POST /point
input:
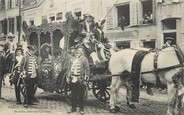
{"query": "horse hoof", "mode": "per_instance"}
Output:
(132, 106)
(117, 108)
(113, 110)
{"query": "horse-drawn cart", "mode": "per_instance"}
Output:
(52, 70)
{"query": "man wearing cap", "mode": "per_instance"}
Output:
(79, 74)
(169, 41)
(2, 64)
(31, 67)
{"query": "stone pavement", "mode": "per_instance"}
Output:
(55, 104)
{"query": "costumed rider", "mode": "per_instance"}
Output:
(169, 42)
(101, 42)
(78, 77)
(98, 32)
(31, 67)
(19, 67)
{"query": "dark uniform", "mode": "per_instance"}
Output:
(2, 64)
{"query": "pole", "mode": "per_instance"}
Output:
(20, 20)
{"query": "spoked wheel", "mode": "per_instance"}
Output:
(101, 90)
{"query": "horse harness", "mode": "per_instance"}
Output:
(156, 70)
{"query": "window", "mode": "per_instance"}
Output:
(31, 22)
(78, 14)
(52, 18)
(9, 4)
(123, 15)
(59, 16)
(122, 44)
(44, 17)
(2, 4)
(147, 11)
(149, 44)
(18, 18)
(169, 24)
(11, 25)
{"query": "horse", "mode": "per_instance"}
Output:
(168, 67)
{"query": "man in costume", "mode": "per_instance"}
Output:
(31, 67)
(19, 64)
(79, 74)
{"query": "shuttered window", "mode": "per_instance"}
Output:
(11, 25)
(110, 23)
(148, 11)
(123, 15)
(2, 5)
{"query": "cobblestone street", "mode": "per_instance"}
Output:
(52, 103)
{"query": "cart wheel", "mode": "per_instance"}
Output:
(101, 90)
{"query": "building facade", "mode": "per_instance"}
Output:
(147, 22)
(9, 19)
(129, 23)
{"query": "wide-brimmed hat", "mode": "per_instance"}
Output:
(31, 47)
(169, 38)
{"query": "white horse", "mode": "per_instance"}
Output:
(121, 64)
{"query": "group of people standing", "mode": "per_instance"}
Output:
(26, 64)
(22, 64)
